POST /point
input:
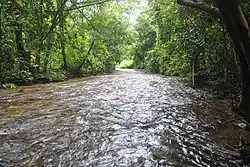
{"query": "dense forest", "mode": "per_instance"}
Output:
(204, 42)
(49, 40)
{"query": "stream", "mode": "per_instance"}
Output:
(125, 119)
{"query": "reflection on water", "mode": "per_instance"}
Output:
(125, 119)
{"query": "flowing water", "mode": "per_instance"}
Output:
(125, 119)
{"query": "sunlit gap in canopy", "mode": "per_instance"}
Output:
(136, 8)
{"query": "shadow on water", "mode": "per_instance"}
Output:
(126, 119)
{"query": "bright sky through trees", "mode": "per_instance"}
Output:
(134, 14)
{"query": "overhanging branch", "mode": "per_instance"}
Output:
(89, 22)
(201, 6)
(82, 5)
(61, 9)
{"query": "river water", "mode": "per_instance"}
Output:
(125, 119)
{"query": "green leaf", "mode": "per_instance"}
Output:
(19, 2)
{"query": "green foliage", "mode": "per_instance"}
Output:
(54, 38)
(52, 76)
(146, 38)
(18, 77)
(174, 40)
(128, 64)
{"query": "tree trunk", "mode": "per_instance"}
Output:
(238, 29)
(244, 106)
(1, 43)
(40, 27)
(48, 46)
(24, 57)
(1, 31)
(195, 70)
(47, 53)
(78, 70)
(196, 65)
(86, 56)
(63, 41)
(237, 26)
(65, 65)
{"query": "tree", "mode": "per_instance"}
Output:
(146, 38)
(47, 40)
(237, 25)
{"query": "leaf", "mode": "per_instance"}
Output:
(19, 2)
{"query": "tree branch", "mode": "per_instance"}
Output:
(86, 56)
(89, 22)
(55, 19)
(60, 10)
(81, 6)
(201, 6)
(87, 5)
